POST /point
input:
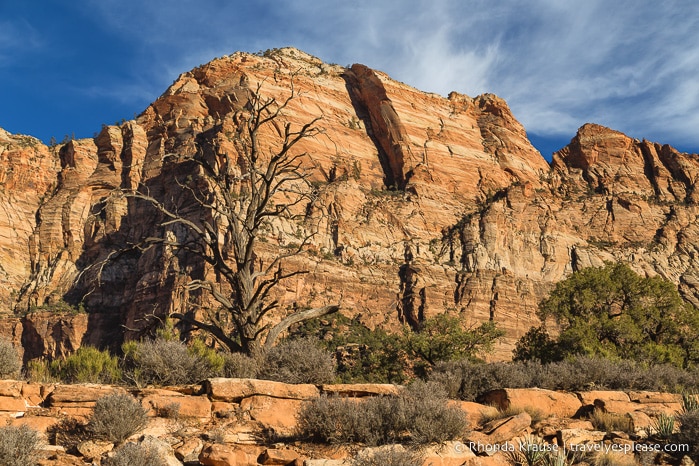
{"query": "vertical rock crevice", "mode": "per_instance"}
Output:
(371, 102)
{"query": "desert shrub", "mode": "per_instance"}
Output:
(393, 456)
(19, 445)
(444, 338)
(169, 410)
(131, 454)
(68, 432)
(376, 356)
(87, 365)
(584, 372)
(239, 365)
(298, 361)
(10, 362)
(362, 354)
(117, 417)
(689, 431)
(334, 420)
(610, 422)
(430, 418)
(163, 362)
(419, 416)
(39, 371)
(664, 426)
(468, 380)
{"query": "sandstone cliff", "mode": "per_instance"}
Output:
(425, 204)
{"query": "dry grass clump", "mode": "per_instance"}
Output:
(610, 422)
(488, 416)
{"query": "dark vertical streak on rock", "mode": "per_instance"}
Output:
(372, 104)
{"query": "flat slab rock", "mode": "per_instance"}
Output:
(222, 389)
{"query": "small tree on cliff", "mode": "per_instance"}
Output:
(235, 198)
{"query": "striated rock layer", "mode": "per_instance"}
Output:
(424, 204)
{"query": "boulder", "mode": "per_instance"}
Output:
(214, 454)
(189, 450)
(567, 437)
(588, 398)
(11, 404)
(277, 414)
(94, 449)
(474, 411)
(222, 389)
(12, 388)
(506, 429)
(448, 454)
(547, 402)
(276, 456)
(654, 397)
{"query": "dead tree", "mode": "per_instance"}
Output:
(238, 195)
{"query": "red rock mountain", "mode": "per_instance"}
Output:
(425, 204)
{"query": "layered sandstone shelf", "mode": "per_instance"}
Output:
(425, 204)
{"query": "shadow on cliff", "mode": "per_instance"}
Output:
(129, 284)
(353, 86)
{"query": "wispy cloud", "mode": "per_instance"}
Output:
(628, 64)
(17, 38)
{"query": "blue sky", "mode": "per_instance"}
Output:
(68, 66)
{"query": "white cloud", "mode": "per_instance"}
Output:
(628, 64)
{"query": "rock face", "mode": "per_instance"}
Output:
(424, 204)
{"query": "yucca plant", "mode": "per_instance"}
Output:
(664, 426)
(690, 402)
(556, 458)
(531, 451)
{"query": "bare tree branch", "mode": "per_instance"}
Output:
(226, 204)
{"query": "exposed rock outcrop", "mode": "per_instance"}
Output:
(423, 204)
(190, 423)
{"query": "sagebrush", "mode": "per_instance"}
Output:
(467, 380)
(19, 445)
(132, 454)
(10, 362)
(170, 362)
(391, 456)
(418, 416)
(298, 361)
(117, 417)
